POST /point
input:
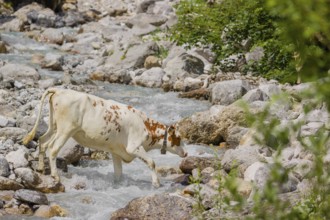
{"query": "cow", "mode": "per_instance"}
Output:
(104, 125)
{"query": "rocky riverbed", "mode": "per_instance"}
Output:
(120, 50)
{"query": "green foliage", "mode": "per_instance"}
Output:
(294, 34)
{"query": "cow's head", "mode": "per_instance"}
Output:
(174, 142)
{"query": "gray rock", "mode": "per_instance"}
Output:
(52, 61)
(29, 177)
(156, 207)
(53, 35)
(27, 123)
(227, 92)
(15, 25)
(7, 122)
(18, 158)
(150, 78)
(71, 151)
(46, 83)
(142, 19)
(255, 55)
(190, 84)
(8, 184)
(19, 72)
(13, 133)
(269, 90)
(181, 67)
(4, 167)
(131, 57)
(31, 196)
(240, 158)
(253, 95)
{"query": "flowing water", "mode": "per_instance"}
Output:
(101, 195)
(90, 190)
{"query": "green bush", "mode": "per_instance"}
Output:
(293, 37)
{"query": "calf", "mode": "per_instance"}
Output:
(104, 125)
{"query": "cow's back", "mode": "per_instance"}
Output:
(97, 123)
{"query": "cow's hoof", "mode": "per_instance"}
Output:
(156, 184)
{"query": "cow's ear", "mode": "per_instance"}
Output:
(171, 129)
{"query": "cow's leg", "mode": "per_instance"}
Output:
(45, 139)
(117, 165)
(142, 154)
(57, 143)
(43, 145)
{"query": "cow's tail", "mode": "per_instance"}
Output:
(32, 133)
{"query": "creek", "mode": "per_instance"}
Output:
(90, 190)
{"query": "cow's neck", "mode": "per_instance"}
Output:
(157, 133)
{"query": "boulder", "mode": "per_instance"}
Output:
(192, 162)
(190, 84)
(48, 185)
(8, 184)
(220, 123)
(19, 72)
(71, 151)
(31, 196)
(133, 56)
(268, 90)
(52, 35)
(181, 67)
(227, 92)
(150, 78)
(159, 206)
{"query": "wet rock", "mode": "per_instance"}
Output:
(46, 211)
(227, 92)
(49, 185)
(191, 162)
(160, 206)
(18, 158)
(71, 152)
(19, 72)
(4, 167)
(8, 184)
(150, 78)
(31, 196)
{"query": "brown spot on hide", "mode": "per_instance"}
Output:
(102, 103)
(129, 107)
(152, 126)
(115, 107)
(94, 103)
(175, 140)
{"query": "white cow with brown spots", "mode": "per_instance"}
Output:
(104, 125)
